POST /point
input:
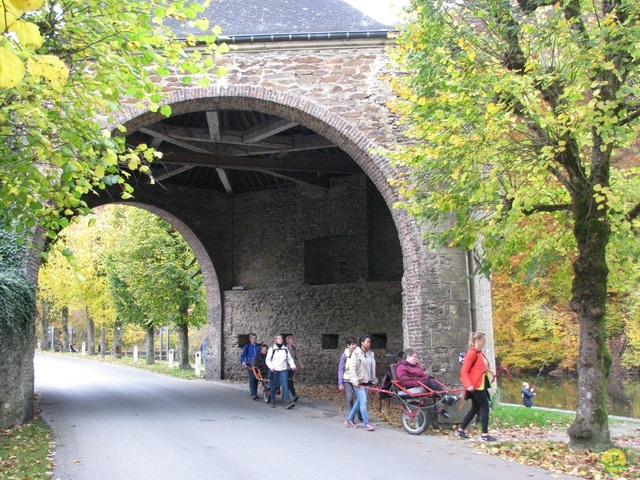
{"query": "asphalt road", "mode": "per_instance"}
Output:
(111, 422)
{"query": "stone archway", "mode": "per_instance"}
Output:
(349, 139)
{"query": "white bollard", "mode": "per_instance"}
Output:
(84, 348)
(198, 361)
(39, 345)
(135, 353)
(171, 358)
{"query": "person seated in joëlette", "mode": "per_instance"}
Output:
(413, 378)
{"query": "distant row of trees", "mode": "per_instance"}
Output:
(534, 326)
(130, 272)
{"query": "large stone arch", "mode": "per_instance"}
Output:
(362, 149)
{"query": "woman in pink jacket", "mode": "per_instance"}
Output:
(476, 377)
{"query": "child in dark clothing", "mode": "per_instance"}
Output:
(527, 395)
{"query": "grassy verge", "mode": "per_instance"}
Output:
(25, 451)
(506, 416)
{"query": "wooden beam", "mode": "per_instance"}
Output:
(310, 180)
(168, 173)
(226, 183)
(300, 163)
(184, 136)
(213, 122)
(267, 129)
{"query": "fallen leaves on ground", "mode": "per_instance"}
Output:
(542, 447)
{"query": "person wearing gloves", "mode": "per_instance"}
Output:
(280, 362)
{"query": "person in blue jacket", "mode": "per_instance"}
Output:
(249, 351)
(527, 395)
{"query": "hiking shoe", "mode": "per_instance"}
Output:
(255, 397)
(273, 404)
(443, 412)
(487, 438)
(461, 434)
(349, 424)
(291, 405)
(369, 428)
(296, 398)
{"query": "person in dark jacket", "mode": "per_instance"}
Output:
(527, 395)
(249, 351)
(260, 361)
(414, 379)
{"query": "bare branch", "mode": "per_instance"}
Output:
(530, 6)
(547, 208)
(633, 213)
(630, 118)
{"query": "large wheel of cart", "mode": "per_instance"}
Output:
(416, 425)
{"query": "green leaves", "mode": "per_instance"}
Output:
(99, 56)
(505, 115)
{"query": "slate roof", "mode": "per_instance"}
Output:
(260, 17)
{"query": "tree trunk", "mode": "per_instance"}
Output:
(150, 345)
(183, 332)
(103, 342)
(117, 340)
(91, 334)
(65, 328)
(590, 429)
(44, 324)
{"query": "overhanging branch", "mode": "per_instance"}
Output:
(547, 208)
(633, 213)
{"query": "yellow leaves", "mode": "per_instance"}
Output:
(26, 5)
(28, 33)
(11, 68)
(8, 14)
(50, 68)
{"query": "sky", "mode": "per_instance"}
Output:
(381, 10)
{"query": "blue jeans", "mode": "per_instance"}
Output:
(280, 378)
(253, 383)
(360, 404)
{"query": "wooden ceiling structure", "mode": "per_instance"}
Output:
(236, 151)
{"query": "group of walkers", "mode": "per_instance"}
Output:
(357, 371)
(277, 363)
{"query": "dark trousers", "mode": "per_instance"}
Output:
(292, 389)
(479, 403)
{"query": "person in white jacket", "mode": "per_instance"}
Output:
(362, 374)
(279, 362)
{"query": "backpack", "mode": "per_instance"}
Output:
(384, 384)
(461, 357)
(273, 352)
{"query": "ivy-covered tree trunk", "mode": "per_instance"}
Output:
(150, 340)
(44, 325)
(17, 334)
(183, 335)
(590, 428)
